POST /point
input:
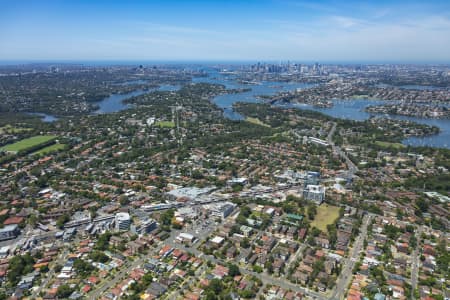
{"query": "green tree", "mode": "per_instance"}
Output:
(215, 286)
(19, 266)
(245, 243)
(82, 267)
(64, 291)
(312, 211)
(233, 270)
(62, 220)
(103, 241)
(98, 256)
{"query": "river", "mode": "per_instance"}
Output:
(349, 109)
(354, 110)
(226, 101)
(114, 103)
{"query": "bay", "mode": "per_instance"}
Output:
(347, 109)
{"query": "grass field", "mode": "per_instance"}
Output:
(50, 149)
(326, 214)
(256, 121)
(165, 124)
(389, 145)
(28, 143)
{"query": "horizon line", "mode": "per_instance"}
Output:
(4, 62)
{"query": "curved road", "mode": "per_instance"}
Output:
(352, 168)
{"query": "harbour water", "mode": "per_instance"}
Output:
(114, 103)
(355, 110)
(267, 88)
(226, 101)
(349, 109)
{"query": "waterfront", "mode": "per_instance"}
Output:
(115, 102)
(355, 110)
(349, 109)
(226, 101)
(267, 88)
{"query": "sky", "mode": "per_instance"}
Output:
(219, 30)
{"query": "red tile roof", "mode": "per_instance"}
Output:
(13, 220)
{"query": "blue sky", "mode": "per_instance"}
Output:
(402, 31)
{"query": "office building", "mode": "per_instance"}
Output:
(123, 221)
(315, 193)
(9, 232)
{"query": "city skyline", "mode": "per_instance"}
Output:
(327, 31)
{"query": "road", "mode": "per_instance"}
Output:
(284, 284)
(416, 262)
(186, 283)
(267, 279)
(264, 277)
(352, 168)
(330, 134)
(345, 277)
(59, 261)
(294, 257)
(119, 276)
(124, 270)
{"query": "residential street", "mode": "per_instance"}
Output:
(345, 277)
(337, 293)
(352, 168)
(416, 262)
(265, 278)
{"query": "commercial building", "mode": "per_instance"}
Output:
(312, 178)
(221, 210)
(189, 193)
(246, 230)
(144, 226)
(9, 232)
(315, 193)
(123, 221)
(217, 240)
(185, 237)
(239, 180)
(318, 141)
(4, 251)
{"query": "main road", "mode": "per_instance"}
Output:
(346, 275)
(416, 262)
(352, 168)
(128, 266)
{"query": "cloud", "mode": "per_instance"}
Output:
(299, 31)
(177, 29)
(346, 22)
